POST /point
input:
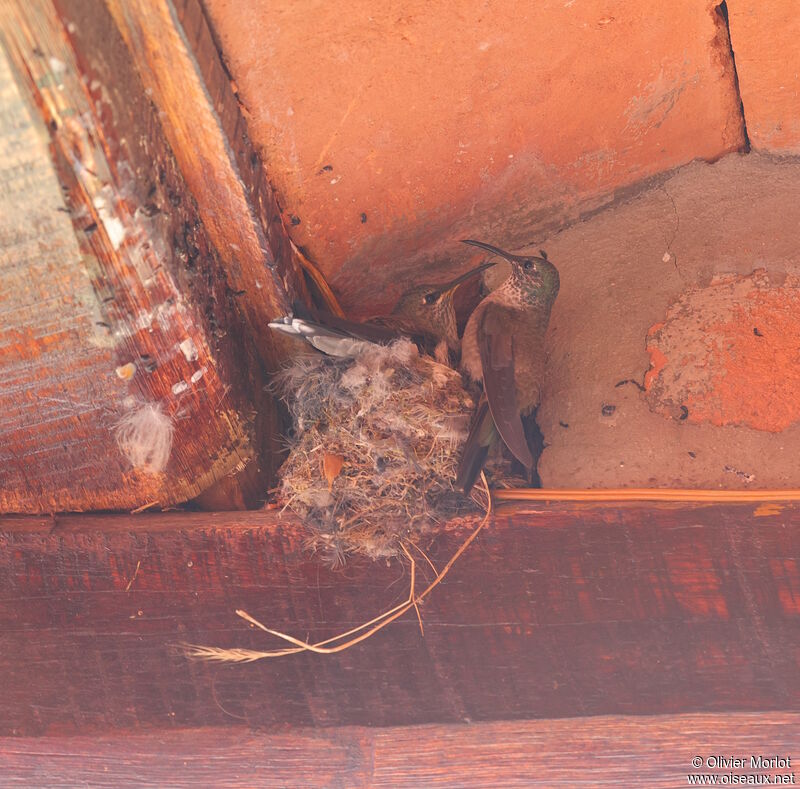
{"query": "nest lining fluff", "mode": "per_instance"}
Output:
(376, 445)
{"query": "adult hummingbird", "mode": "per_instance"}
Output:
(503, 346)
(425, 313)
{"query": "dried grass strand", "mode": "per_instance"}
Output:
(645, 494)
(374, 625)
(390, 423)
(382, 620)
(416, 606)
(426, 557)
(221, 655)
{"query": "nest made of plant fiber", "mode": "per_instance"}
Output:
(376, 444)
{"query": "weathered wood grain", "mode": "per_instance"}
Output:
(555, 611)
(604, 751)
(133, 307)
(171, 47)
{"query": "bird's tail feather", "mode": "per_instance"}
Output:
(480, 440)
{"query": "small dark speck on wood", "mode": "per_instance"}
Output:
(629, 381)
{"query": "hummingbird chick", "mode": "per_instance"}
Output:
(424, 314)
(503, 347)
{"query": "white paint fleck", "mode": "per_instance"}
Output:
(336, 180)
(483, 46)
(666, 258)
(179, 387)
(189, 349)
(165, 311)
(258, 285)
(114, 228)
(198, 374)
(57, 66)
(144, 320)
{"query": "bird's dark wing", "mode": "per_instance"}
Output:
(482, 435)
(496, 343)
(370, 331)
(383, 330)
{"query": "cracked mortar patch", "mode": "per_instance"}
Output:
(694, 282)
(729, 354)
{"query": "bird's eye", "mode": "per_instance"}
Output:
(428, 299)
(527, 265)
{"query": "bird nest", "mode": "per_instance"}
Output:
(375, 447)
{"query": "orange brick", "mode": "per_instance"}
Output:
(391, 130)
(764, 38)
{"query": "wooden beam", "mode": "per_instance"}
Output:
(126, 289)
(170, 46)
(557, 610)
(606, 751)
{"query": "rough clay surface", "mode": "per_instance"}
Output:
(729, 354)
(656, 376)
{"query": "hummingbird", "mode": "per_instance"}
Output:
(425, 314)
(503, 346)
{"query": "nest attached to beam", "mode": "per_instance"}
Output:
(376, 445)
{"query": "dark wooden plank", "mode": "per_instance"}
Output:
(604, 751)
(558, 610)
(232, 757)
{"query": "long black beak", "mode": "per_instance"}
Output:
(501, 252)
(449, 287)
